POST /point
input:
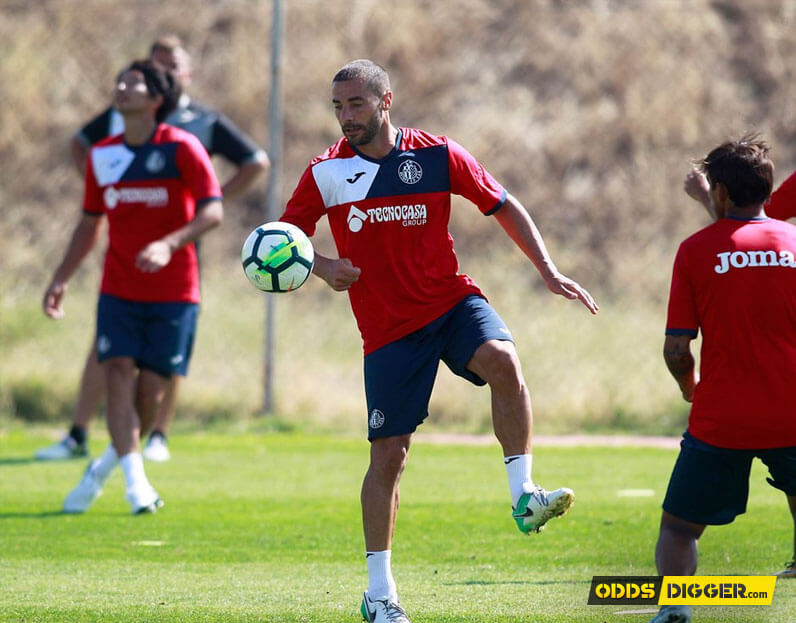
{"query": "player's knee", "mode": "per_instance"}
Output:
(389, 455)
(501, 366)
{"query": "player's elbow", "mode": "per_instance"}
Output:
(213, 213)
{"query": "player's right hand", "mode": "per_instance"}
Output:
(343, 274)
(52, 300)
(696, 185)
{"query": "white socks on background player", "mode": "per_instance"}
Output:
(132, 465)
(104, 465)
(518, 468)
(381, 584)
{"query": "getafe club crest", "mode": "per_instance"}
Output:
(155, 162)
(409, 172)
(376, 419)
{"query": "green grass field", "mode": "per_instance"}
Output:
(266, 527)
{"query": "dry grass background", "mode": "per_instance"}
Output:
(589, 111)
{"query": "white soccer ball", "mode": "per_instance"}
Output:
(277, 257)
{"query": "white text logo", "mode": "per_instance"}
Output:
(752, 259)
(152, 197)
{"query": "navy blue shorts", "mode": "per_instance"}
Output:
(399, 376)
(710, 485)
(158, 336)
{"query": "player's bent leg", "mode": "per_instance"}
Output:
(496, 362)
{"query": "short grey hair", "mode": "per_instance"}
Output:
(372, 74)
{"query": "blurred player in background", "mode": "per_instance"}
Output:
(157, 188)
(387, 194)
(735, 281)
(219, 136)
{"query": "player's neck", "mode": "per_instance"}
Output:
(746, 213)
(138, 129)
(382, 144)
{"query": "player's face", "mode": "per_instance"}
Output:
(131, 93)
(359, 111)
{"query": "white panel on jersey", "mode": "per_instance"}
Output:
(344, 180)
(110, 163)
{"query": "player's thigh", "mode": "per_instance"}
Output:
(708, 485)
(120, 328)
(169, 336)
(399, 378)
(478, 344)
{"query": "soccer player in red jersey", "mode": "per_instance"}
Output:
(219, 136)
(387, 194)
(735, 281)
(157, 188)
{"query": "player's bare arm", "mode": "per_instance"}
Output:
(84, 237)
(79, 154)
(244, 177)
(680, 362)
(696, 186)
(157, 253)
(340, 274)
(518, 224)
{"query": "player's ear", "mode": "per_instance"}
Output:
(386, 101)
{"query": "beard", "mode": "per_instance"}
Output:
(368, 131)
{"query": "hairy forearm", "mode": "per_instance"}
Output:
(520, 227)
(207, 217)
(681, 365)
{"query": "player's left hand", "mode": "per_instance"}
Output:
(566, 287)
(153, 257)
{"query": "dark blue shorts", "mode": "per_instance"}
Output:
(158, 336)
(710, 485)
(399, 377)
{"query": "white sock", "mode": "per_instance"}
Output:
(518, 468)
(103, 467)
(133, 468)
(381, 584)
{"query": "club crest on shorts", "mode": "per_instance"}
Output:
(409, 172)
(376, 419)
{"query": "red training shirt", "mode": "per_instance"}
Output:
(736, 282)
(390, 218)
(148, 191)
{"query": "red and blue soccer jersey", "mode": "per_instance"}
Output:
(736, 282)
(146, 192)
(390, 218)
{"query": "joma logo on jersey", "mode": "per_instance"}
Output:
(410, 215)
(153, 197)
(753, 259)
